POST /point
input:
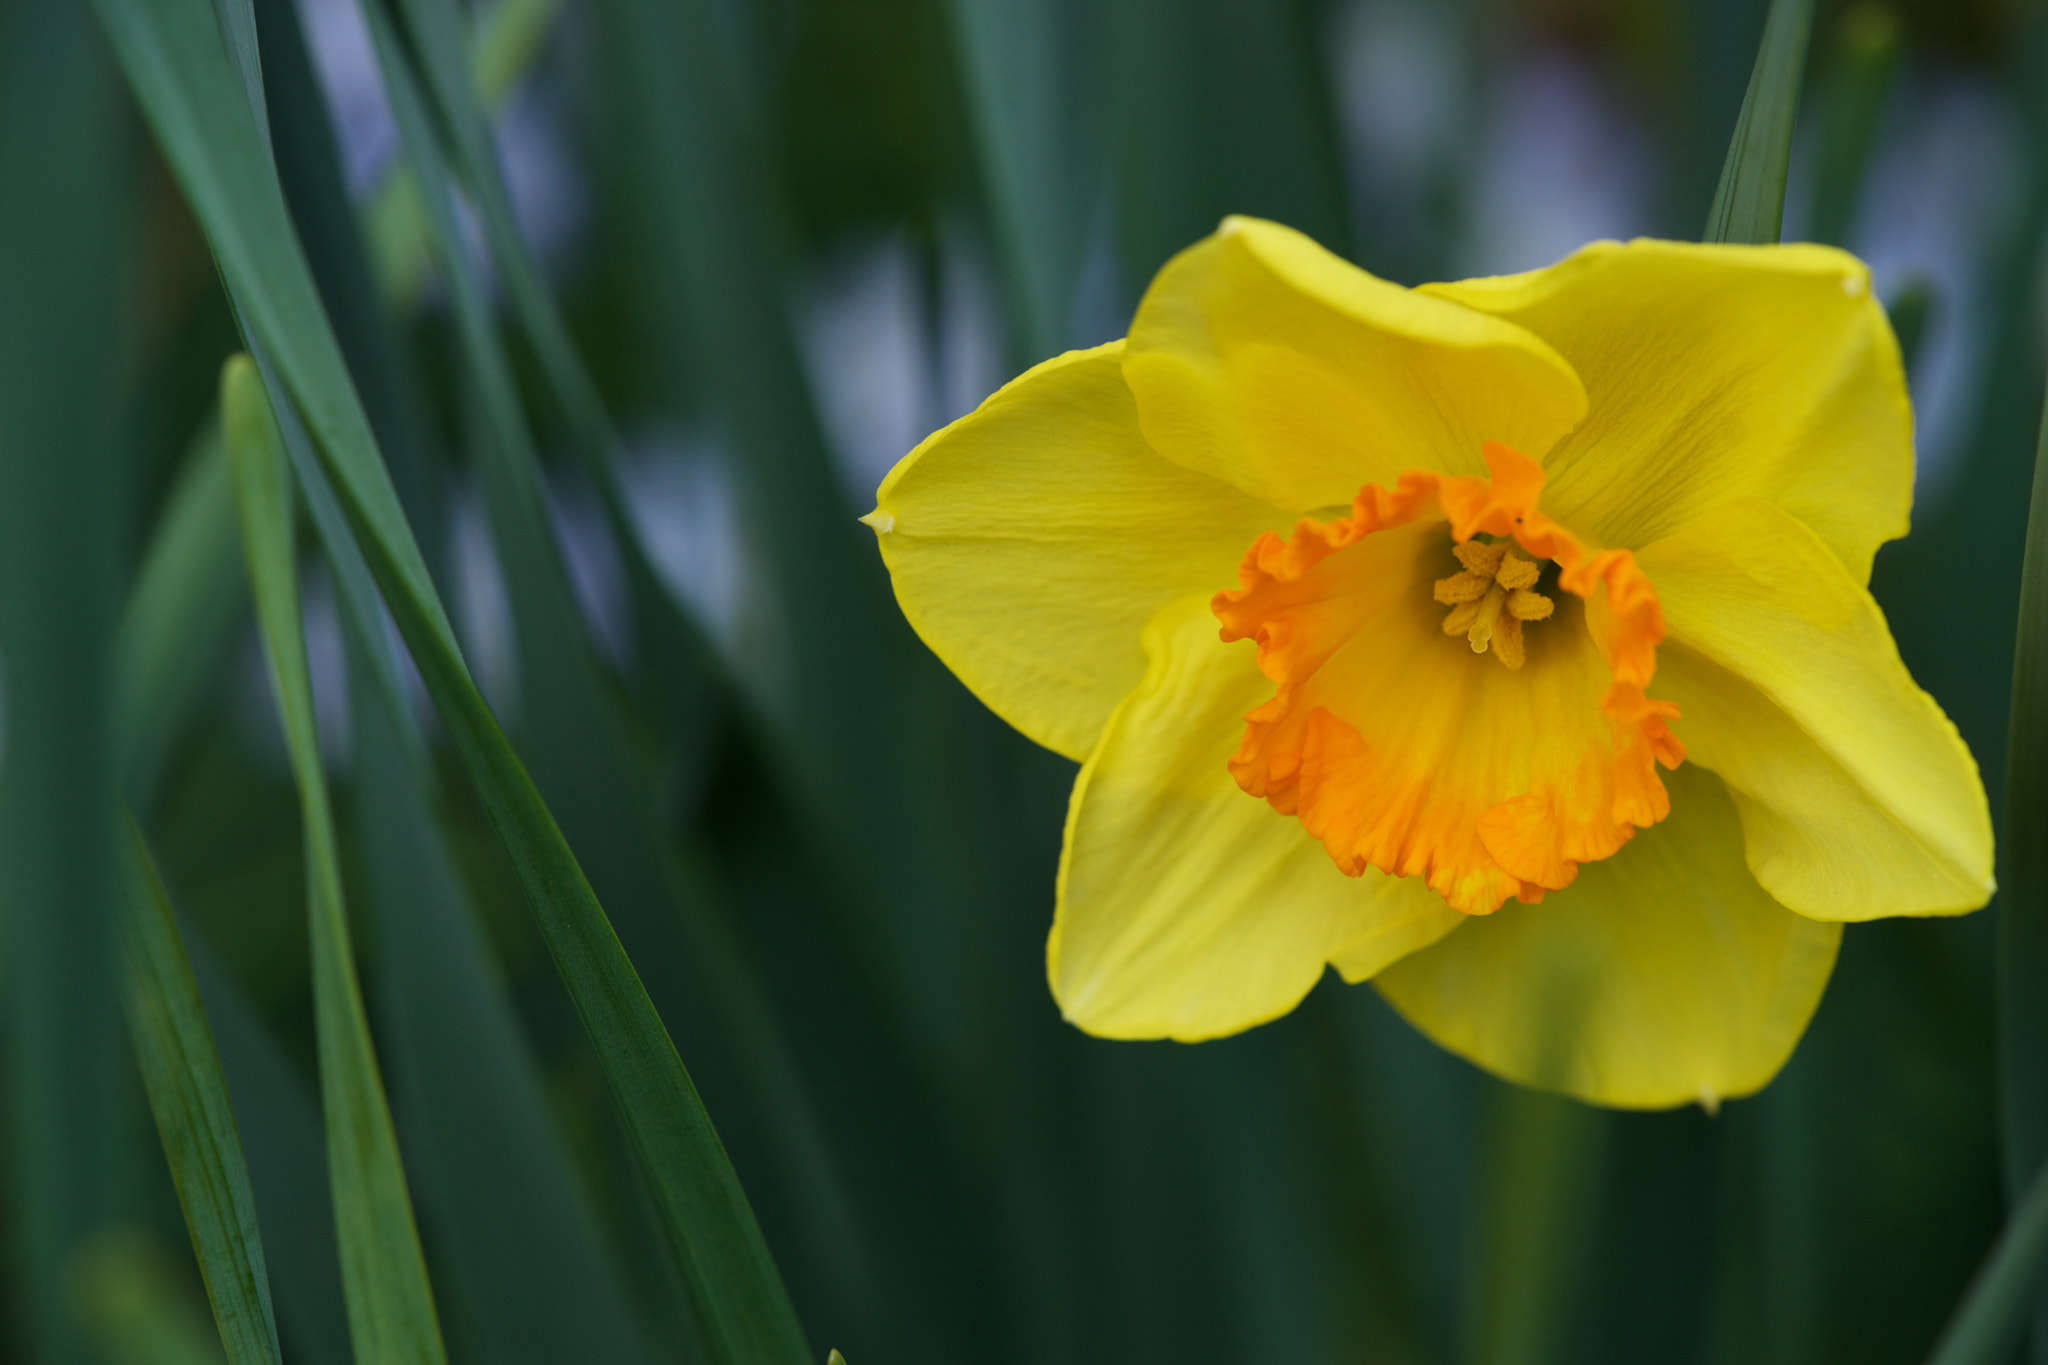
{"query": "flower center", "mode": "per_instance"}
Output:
(1491, 599)
(1396, 752)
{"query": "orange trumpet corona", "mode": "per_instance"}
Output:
(1403, 750)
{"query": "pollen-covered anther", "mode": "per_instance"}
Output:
(1491, 599)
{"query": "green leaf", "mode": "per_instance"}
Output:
(493, 1177)
(384, 1274)
(278, 1117)
(1862, 62)
(579, 742)
(489, 1169)
(2006, 1292)
(841, 676)
(1014, 56)
(179, 70)
(1220, 109)
(1749, 205)
(509, 39)
(194, 1118)
(176, 65)
(685, 671)
(64, 182)
(310, 174)
(2023, 892)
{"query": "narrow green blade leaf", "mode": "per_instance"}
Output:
(194, 1118)
(2006, 1292)
(172, 53)
(2023, 889)
(1749, 206)
(63, 184)
(384, 1274)
(310, 174)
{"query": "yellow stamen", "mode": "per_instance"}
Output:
(1524, 605)
(1507, 641)
(1489, 612)
(1462, 587)
(1481, 557)
(1491, 599)
(1516, 572)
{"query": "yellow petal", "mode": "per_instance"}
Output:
(1261, 358)
(1663, 976)
(1186, 908)
(1031, 541)
(1858, 798)
(1719, 372)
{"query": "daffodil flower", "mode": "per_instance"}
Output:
(1504, 642)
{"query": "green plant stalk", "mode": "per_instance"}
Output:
(1749, 205)
(172, 54)
(1543, 1187)
(188, 1095)
(384, 1273)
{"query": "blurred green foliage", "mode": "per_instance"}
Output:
(830, 868)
